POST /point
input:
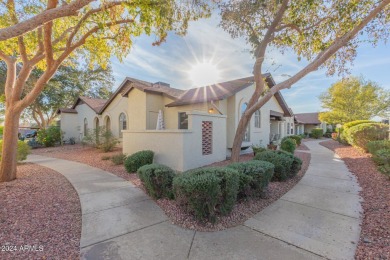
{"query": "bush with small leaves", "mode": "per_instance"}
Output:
(317, 133)
(118, 159)
(138, 159)
(49, 136)
(374, 146)
(207, 191)
(101, 138)
(157, 180)
(360, 135)
(296, 164)
(22, 150)
(282, 164)
(288, 145)
(383, 161)
(254, 176)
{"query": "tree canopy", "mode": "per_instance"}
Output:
(93, 32)
(353, 99)
(326, 33)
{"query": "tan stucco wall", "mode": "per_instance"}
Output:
(180, 149)
(118, 105)
(69, 123)
(257, 135)
(84, 111)
(137, 110)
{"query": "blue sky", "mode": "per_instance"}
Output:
(205, 41)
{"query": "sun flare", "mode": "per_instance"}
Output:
(204, 73)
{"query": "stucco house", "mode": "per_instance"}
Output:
(305, 122)
(200, 123)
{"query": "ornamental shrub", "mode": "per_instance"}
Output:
(22, 150)
(297, 138)
(317, 133)
(101, 138)
(207, 191)
(157, 180)
(345, 137)
(383, 160)
(360, 135)
(374, 146)
(296, 164)
(49, 136)
(118, 159)
(254, 176)
(138, 159)
(282, 164)
(288, 145)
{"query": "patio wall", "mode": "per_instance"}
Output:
(180, 149)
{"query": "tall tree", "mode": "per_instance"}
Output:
(323, 32)
(63, 89)
(352, 99)
(98, 31)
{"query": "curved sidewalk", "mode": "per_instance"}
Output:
(318, 218)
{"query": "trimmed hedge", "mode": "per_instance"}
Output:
(344, 131)
(382, 157)
(254, 176)
(138, 159)
(374, 146)
(360, 135)
(288, 145)
(157, 179)
(297, 138)
(22, 150)
(296, 164)
(207, 191)
(282, 164)
(317, 133)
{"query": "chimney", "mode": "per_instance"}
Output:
(160, 83)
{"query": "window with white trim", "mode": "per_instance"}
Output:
(258, 119)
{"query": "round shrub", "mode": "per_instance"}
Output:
(360, 135)
(49, 136)
(207, 191)
(138, 159)
(297, 138)
(288, 145)
(296, 164)
(254, 176)
(317, 133)
(374, 146)
(345, 129)
(22, 150)
(282, 164)
(157, 180)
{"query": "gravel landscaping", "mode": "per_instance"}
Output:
(241, 212)
(374, 240)
(40, 208)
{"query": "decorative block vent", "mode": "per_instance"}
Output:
(207, 137)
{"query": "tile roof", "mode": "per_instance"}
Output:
(129, 83)
(307, 118)
(66, 110)
(224, 90)
(95, 103)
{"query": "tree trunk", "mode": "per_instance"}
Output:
(10, 144)
(239, 136)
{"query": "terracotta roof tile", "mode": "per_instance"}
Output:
(66, 110)
(95, 103)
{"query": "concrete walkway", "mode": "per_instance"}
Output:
(317, 219)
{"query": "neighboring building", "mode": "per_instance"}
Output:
(200, 122)
(306, 122)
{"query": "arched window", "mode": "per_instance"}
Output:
(258, 119)
(108, 123)
(288, 128)
(247, 130)
(122, 124)
(85, 126)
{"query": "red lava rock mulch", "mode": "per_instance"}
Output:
(302, 147)
(40, 208)
(90, 156)
(241, 212)
(374, 240)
